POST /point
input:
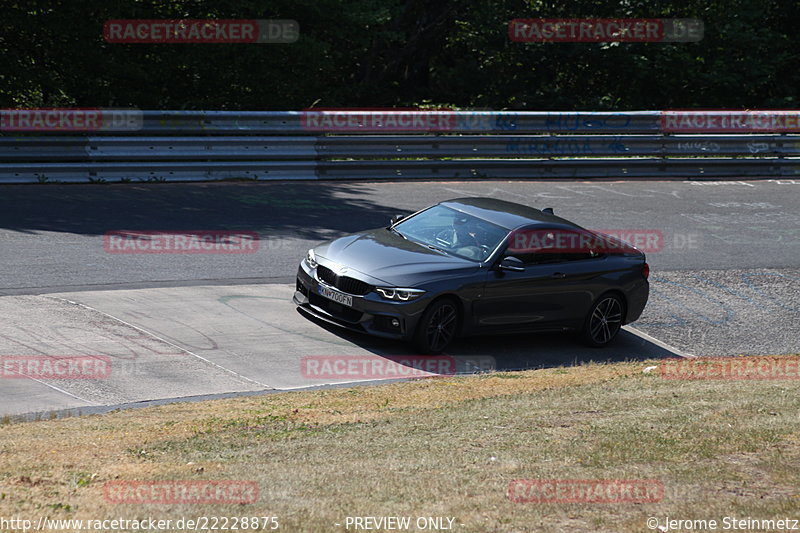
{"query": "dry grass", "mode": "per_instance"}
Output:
(443, 447)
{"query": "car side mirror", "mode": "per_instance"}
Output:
(548, 210)
(512, 264)
(395, 219)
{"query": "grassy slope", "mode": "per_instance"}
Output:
(443, 447)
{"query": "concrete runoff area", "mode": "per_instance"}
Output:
(39, 330)
(194, 341)
(183, 342)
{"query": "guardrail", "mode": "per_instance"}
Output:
(157, 146)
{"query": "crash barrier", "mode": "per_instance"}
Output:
(125, 145)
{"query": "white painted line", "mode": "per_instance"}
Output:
(669, 348)
(166, 342)
(58, 389)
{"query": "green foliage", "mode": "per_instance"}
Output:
(382, 53)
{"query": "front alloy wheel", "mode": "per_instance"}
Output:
(604, 321)
(437, 327)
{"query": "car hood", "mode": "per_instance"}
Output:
(389, 258)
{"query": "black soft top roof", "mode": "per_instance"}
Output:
(509, 215)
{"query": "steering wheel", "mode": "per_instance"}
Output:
(446, 237)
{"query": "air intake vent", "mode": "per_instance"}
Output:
(343, 283)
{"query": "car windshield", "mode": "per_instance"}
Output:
(453, 232)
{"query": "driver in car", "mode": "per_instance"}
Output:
(465, 237)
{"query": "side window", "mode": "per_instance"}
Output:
(536, 258)
(591, 247)
(580, 256)
(525, 246)
(548, 246)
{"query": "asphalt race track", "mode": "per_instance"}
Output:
(725, 280)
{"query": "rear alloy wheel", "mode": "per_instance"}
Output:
(437, 327)
(604, 321)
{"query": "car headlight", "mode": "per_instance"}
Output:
(399, 295)
(311, 258)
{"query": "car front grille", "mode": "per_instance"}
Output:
(343, 283)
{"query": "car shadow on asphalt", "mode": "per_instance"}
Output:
(513, 352)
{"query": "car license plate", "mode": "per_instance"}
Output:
(336, 296)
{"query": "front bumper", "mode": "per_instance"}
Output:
(369, 314)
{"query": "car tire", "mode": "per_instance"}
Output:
(437, 327)
(604, 320)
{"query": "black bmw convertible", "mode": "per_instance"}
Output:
(475, 266)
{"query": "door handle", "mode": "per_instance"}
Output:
(558, 275)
